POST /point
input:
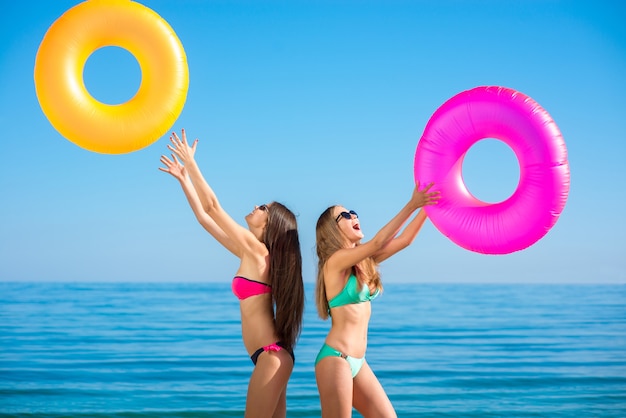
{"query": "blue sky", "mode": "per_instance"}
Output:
(314, 103)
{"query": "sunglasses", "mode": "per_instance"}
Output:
(263, 208)
(346, 215)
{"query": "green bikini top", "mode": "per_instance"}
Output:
(351, 294)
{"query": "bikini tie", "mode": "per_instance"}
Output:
(272, 347)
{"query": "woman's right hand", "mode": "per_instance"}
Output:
(424, 197)
(181, 148)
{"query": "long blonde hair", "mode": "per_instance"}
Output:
(328, 240)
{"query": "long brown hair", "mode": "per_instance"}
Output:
(285, 272)
(328, 239)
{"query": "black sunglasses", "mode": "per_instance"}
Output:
(263, 208)
(346, 215)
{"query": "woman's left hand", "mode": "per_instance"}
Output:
(424, 197)
(173, 167)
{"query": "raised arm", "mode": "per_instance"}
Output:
(403, 240)
(177, 170)
(349, 257)
(240, 236)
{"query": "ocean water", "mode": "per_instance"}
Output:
(439, 350)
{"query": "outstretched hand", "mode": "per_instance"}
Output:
(173, 167)
(424, 197)
(181, 147)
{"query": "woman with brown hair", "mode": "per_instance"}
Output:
(347, 280)
(268, 282)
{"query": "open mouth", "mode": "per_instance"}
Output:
(356, 227)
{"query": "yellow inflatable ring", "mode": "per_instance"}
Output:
(87, 122)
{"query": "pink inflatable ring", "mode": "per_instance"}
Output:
(517, 120)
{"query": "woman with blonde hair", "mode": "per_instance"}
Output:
(347, 280)
(268, 282)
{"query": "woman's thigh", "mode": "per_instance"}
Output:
(370, 398)
(334, 383)
(268, 385)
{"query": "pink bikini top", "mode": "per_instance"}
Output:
(244, 288)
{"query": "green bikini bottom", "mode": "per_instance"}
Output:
(328, 351)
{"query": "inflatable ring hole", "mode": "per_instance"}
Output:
(112, 75)
(491, 170)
